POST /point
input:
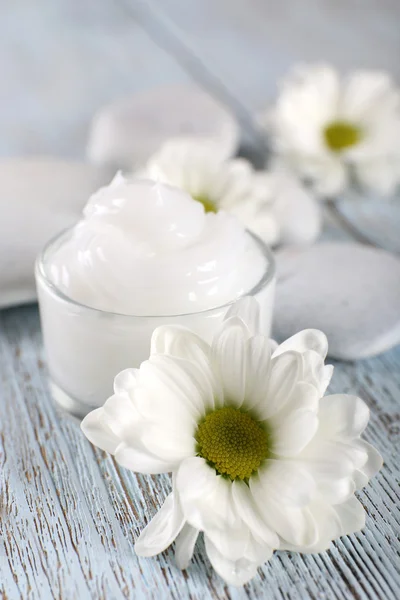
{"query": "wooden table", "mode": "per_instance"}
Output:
(69, 515)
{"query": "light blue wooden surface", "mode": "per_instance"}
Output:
(68, 514)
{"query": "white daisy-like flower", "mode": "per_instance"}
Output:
(274, 205)
(260, 459)
(336, 131)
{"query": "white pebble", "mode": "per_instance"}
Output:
(349, 291)
(126, 133)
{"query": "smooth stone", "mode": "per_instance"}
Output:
(39, 197)
(349, 291)
(126, 133)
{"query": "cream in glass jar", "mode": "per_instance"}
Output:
(144, 255)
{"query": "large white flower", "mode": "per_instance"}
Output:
(260, 460)
(338, 130)
(274, 204)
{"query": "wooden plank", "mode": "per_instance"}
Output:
(75, 513)
(52, 527)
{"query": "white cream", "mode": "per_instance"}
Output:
(141, 249)
(144, 248)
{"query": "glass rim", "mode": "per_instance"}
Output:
(41, 274)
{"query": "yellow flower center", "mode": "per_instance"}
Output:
(341, 134)
(209, 205)
(232, 442)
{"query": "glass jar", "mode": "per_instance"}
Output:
(87, 347)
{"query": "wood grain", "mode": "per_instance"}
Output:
(70, 514)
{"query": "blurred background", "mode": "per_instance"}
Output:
(61, 60)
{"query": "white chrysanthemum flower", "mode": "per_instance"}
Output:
(260, 458)
(337, 131)
(274, 205)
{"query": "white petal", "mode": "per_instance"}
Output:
(286, 483)
(179, 341)
(360, 480)
(292, 435)
(329, 459)
(285, 371)
(331, 178)
(184, 546)
(229, 357)
(205, 496)
(170, 444)
(343, 417)
(181, 390)
(325, 379)
(328, 528)
(98, 432)
(336, 491)
(206, 381)
(230, 541)
(141, 461)
(172, 390)
(380, 176)
(162, 410)
(107, 426)
(257, 551)
(162, 529)
(296, 210)
(365, 93)
(304, 396)
(248, 310)
(125, 382)
(260, 220)
(195, 478)
(274, 345)
(258, 368)
(120, 413)
(372, 465)
(308, 339)
(294, 525)
(249, 513)
(233, 572)
(315, 371)
(326, 172)
(308, 99)
(265, 225)
(352, 515)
